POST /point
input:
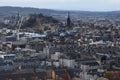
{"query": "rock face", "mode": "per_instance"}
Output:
(38, 20)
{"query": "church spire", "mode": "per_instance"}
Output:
(68, 14)
(68, 20)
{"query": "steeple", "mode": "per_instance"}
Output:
(68, 20)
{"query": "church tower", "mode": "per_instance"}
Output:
(68, 21)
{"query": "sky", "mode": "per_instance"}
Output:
(82, 5)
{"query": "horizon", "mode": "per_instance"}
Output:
(70, 5)
(58, 9)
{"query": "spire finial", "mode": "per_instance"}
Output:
(68, 14)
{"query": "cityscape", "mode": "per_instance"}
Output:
(50, 44)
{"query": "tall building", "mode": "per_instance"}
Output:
(68, 21)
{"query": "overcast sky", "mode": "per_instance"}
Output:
(86, 5)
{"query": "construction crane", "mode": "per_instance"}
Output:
(19, 24)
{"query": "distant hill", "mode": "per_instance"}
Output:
(7, 10)
(59, 14)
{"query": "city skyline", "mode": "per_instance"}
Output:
(83, 5)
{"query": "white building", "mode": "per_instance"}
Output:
(55, 56)
(56, 63)
(90, 76)
(70, 63)
(89, 66)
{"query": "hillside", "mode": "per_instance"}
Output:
(58, 14)
(8, 10)
(39, 21)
